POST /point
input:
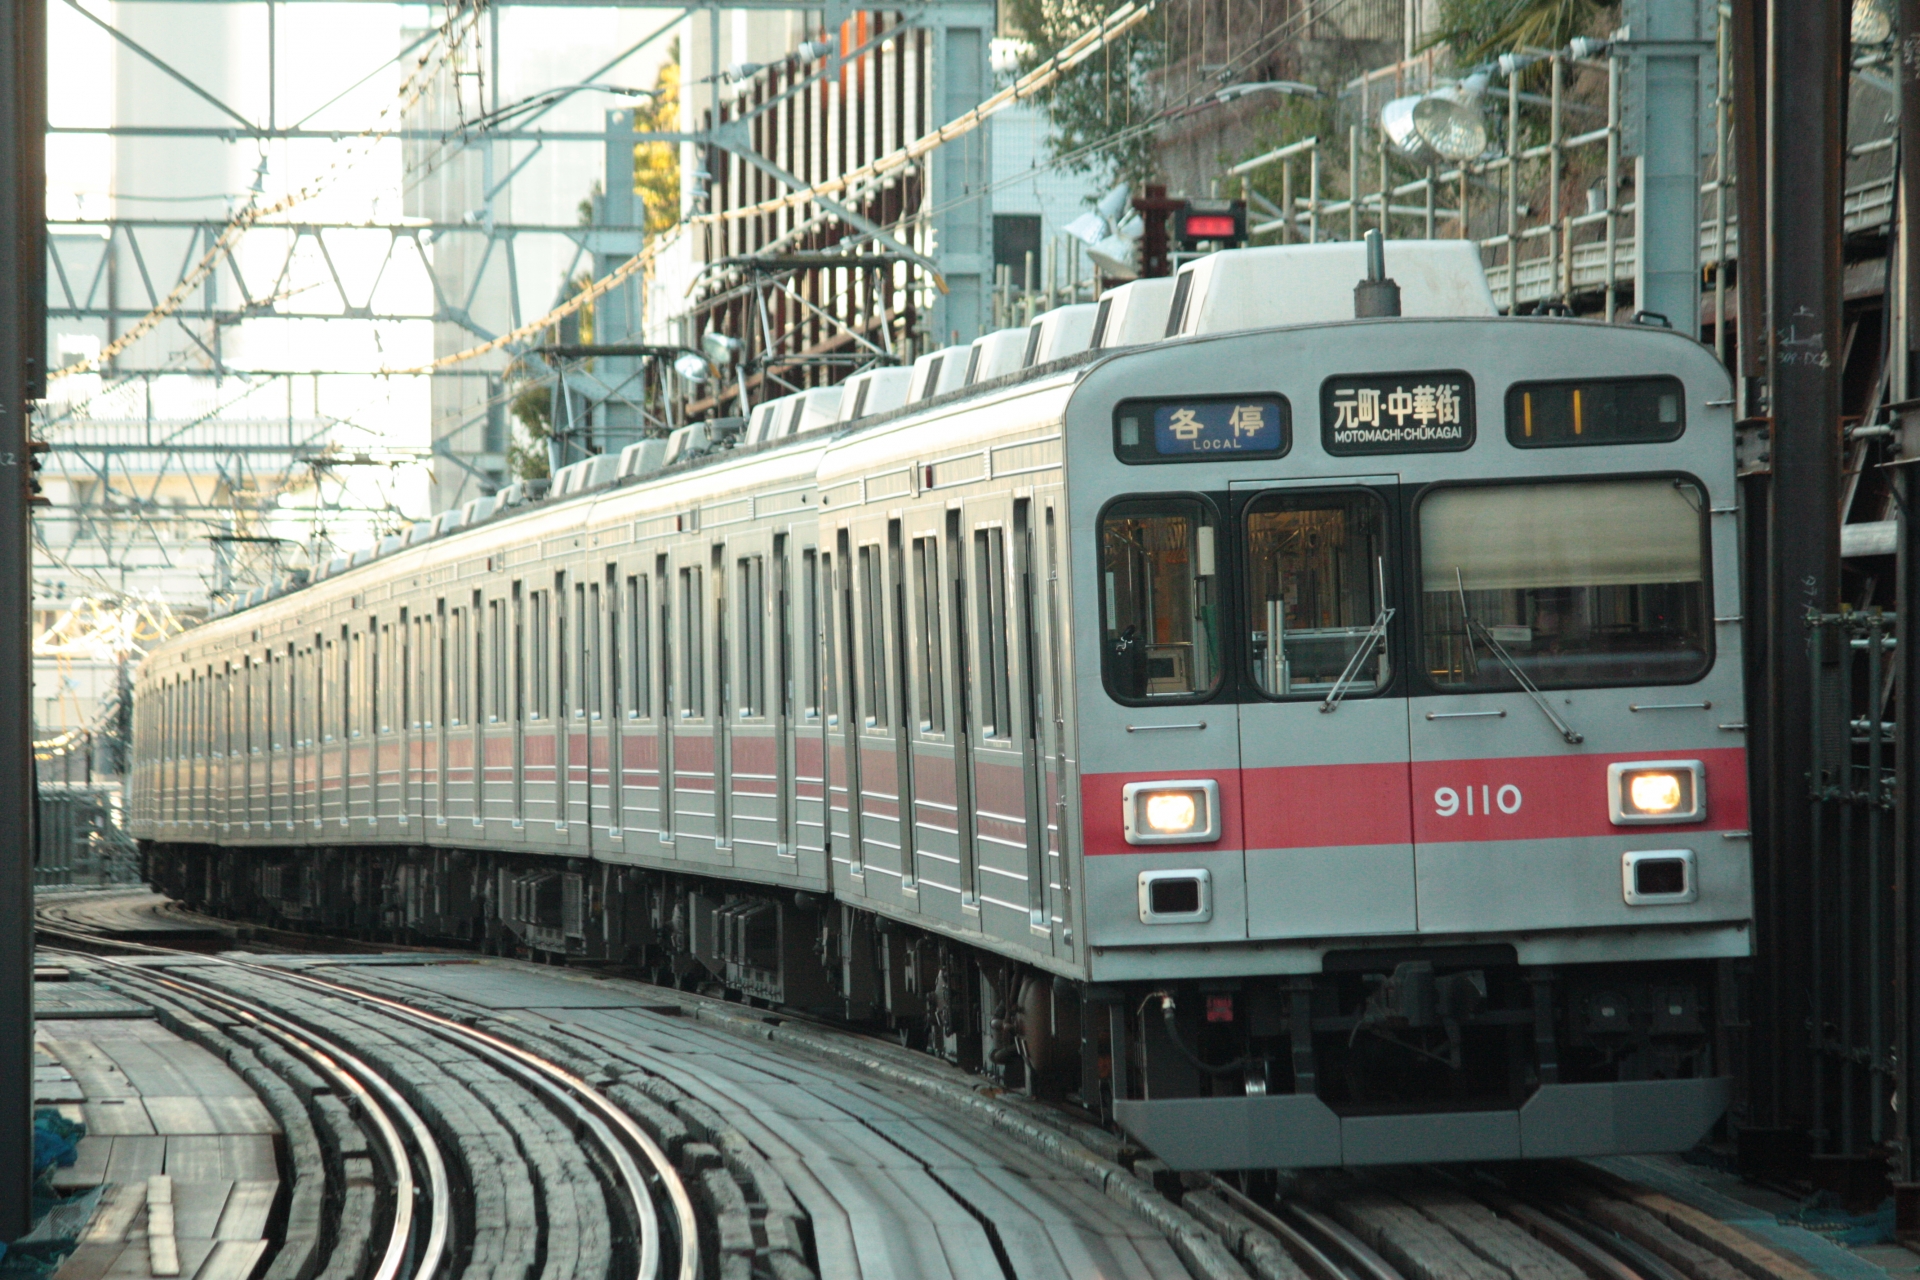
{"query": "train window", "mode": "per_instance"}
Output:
(722, 656)
(1544, 415)
(561, 658)
(926, 622)
(383, 679)
(990, 608)
(753, 635)
(585, 610)
(538, 643)
(593, 669)
(611, 709)
(807, 652)
(1159, 600)
(456, 673)
(1316, 565)
(693, 681)
(829, 645)
(1202, 429)
(873, 635)
(639, 668)
(516, 670)
(1572, 583)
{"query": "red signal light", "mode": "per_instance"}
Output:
(1210, 226)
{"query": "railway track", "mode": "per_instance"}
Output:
(647, 1228)
(655, 1132)
(776, 1189)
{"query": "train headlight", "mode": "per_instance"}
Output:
(1181, 812)
(1657, 791)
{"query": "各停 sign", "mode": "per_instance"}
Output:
(1202, 428)
(1217, 426)
(1397, 413)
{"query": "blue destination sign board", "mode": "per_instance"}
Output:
(1197, 429)
(1397, 412)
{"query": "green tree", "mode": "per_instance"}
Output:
(1102, 112)
(532, 404)
(656, 165)
(1479, 30)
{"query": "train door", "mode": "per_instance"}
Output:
(605, 766)
(632, 750)
(927, 721)
(1325, 758)
(1054, 646)
(880, 801)
(756, 754)
(695, 776)
(580, 625)
(1007, 879)
(725, 702)
(781, 687)
(1031, 695)
(665, 696)
(844, 839)
(538, 773)
(807, 711)
(960, 669)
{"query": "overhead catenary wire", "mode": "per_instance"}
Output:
(451, 33)
(1117, 23)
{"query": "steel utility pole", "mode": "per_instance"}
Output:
(1903, 292)
(23, 333)
(1806, 84)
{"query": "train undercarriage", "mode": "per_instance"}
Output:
(1446, 1036)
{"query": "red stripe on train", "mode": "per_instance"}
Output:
(1323, 806)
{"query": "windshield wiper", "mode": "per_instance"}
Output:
(1368, 642)
(1505, 659)
(1374, 636)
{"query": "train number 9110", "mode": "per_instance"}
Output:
(1484, 799)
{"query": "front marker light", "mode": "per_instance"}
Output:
(1654, 792)
(1176, 812)
(1657, 791)
(1171, 813)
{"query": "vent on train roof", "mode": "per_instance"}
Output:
(815, 409)
(1136, 313)
(1177, 309)
(1061, 332)
(875, 391)
(997, 354)
(643, 459)
(599, 472)
(939, 372)
(1313, 284)
(760, 421)
(1100, 323)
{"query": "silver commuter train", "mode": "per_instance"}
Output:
(1305, 740)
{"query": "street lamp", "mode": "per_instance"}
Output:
(1290, 88)
(1442, 125)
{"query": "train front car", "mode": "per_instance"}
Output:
(1413, 785)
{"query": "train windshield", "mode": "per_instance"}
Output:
(1577, 583)
(1160, 607)
(1315, 566)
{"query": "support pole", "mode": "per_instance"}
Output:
(1906, 840)
(1806, 85)
(23, 117)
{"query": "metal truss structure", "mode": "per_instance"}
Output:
(168, 499)
(810, 303)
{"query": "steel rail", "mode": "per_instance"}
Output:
(1364, 1261)
(595, 1112)
(337, 1063)
(1303, 1248)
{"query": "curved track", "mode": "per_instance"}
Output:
(639, 1171)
